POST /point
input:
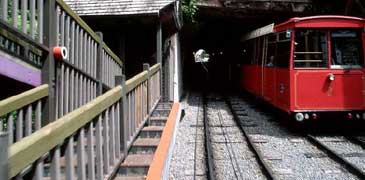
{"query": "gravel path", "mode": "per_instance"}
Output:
(188, 158)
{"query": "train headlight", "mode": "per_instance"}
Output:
(363, 115)
(299, 117)
(357, 116)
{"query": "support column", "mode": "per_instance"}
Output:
(99, 64)
(123, 116)
(49, 67)
(159, 56)
(159, 43)
(4, 164)
(146, 67)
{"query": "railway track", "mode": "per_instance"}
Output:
(218, 127)
(265, 167)
(207, 143)
(334, 146)
(235, 130)
(284, 154)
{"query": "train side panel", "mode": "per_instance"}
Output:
(313, 90)
(269, 83)
(283, 89)
(251, 79)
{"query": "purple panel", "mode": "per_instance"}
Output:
(21, 72)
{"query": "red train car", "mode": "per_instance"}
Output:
(308, 67)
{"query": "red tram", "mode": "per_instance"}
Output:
(309, 67)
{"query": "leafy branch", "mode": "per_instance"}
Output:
(189, 8)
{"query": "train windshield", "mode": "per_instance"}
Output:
(310, 48)
(346, 49)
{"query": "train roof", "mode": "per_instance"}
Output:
(321, 22)
(329, 21)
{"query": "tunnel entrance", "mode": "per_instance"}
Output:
(220, 38)
(220, 41)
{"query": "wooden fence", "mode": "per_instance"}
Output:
(101, 131)
(21, 115)
(90, 115)
(29, 29)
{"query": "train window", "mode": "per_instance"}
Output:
(246, 53)
(346, 49)
(250, 51)
(310, 48)
(271, 38)
(259, 46)
(283, 50)
(270, 57)
(283, 53)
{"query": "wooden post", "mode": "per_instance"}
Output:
(99, 64)
(159, 54)
(146, 67)
(123, 115)
(48, 69)
(159, 43)
(49, 77)
(4, 166)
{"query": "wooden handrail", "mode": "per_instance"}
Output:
(16, 102)
(31, 148)
(20, 38)
(155, 68)
(135, 81)
(139, 78)
(111, 53)
(87, 28)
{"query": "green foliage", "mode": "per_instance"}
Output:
(189, 9)
(10, 19)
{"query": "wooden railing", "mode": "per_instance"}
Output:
(102, 131)
(22, 30)
(25, 33)
(21, 115)
(91, 64)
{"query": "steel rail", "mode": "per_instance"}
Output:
(337, 157)
(196, 137)
(231, 152)
(356, 140)
(208, 144)
(267, 170)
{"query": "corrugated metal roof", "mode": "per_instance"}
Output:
(116, 7)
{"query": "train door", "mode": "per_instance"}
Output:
(346, 67)
(269, 72)
(283, 54)
(258, 61)
(262, 65)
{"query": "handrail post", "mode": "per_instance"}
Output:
(146, 67)
(123, 115)
(48, 68)
(99, 64)
(4, 164)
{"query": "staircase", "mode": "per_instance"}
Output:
(140, 155)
